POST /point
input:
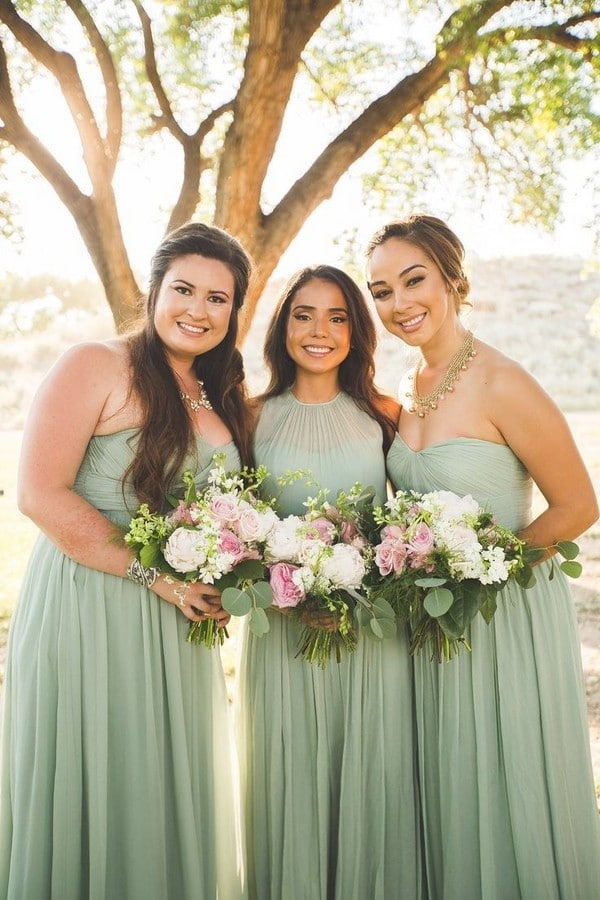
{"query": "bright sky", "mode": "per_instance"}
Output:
(146, 192)
(52, 242)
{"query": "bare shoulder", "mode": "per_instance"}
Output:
(500, 374)
(111, 356)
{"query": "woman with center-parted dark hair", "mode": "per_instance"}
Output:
(328, 784)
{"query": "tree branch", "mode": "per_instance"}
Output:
(278, 33)
(555, 33)
(64, 68)
(16, 133)
(168, 119)
(114, 107)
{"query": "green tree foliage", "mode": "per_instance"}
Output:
(437, 104)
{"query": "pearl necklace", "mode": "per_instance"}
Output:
(423, 405)
(200, 402)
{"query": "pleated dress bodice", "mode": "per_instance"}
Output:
(336, 442)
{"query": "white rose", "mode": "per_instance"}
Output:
(185, 550)
(283, 543)
(344, 567)
(460, 539)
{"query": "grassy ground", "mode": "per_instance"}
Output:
(19, 534)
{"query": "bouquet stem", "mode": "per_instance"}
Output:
(317, 644)
(206, 632)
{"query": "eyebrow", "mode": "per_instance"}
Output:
(402, 273)
(341, 309)
(192, 285)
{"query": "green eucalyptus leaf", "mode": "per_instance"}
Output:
(376, 629)
(571, 568)
(236, 602)
(568, 549)
(488, 604)
(227, 581)
(252, 569)
(430, 582)
(258, 621)
(261, 594)
(438, 601)
(362, 615)
(383, 609)
(388, 627)
(525, 577)
(467, 601)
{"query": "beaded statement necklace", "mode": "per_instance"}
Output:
(197, 404)
(424, 405)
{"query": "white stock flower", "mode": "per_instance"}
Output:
(498, 569)
(304, 577)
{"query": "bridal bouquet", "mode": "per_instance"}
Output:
(215, 536)
(441, 559)
(317, 565)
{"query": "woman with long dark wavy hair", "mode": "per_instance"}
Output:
(327, 756)
(115, 774)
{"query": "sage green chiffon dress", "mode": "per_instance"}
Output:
(117, 777)
(506, 780)
(329, 788)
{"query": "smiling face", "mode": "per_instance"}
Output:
(318, 328)
(411, 296)
(194, 305)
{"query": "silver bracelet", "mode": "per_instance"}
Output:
(139, 574)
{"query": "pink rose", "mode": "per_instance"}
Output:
(224, 508)
(229, 543)
(321, 529)
(421, 544)
(392, 533)
(348, 531)
(285, 590)
(390, 556)
(182, 514)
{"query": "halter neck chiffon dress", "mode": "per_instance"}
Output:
(116, 778)
(506, 782)
(328, 781)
